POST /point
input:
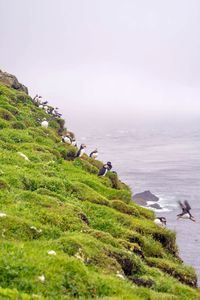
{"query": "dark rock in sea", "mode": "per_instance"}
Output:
(142, 198)
(11, 81)
(155, 205)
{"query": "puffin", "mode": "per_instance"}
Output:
(94, 154)
(161, 221)
(45, 123)
(67, 139)
(81, 150)
(107, 167)
(74, 143)
(45, 107)
(185, 214)
(37, 100)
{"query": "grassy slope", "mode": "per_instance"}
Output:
(96, 232)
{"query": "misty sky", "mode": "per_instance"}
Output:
(117, 58)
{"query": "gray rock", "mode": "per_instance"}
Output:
(155, 205)
(11, 81)
(142, 198)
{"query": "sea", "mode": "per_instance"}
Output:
(163, 157)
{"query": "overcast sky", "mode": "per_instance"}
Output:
(120, 58)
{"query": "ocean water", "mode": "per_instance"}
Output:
(164, 160)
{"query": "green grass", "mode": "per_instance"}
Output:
(107, 247)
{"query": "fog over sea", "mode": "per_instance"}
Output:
(163, 157)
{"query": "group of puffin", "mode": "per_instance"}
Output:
(185, 214)
(67, 138)
(70, 140)
(52, 111)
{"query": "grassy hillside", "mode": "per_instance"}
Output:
(105, 247)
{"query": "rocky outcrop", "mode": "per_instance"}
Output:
(155, 205)
(144, 197)
(11, 81)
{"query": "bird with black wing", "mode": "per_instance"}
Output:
(185, 214)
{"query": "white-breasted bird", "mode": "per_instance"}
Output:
(185, 214)
(45, 123)
(81, 150)
(103, 170)
(67, 139)
(161, 221)
(74, 143)
(94, 154)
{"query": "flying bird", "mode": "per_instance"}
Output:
(185, 211)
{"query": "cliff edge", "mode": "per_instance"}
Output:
(11, 81)
(66, 233)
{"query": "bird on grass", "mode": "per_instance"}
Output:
(107, 167)
(74, 142)
(81, 150)
(94, 154)
(45, 123)
(185, 214)
(67, 139)
(161, 221)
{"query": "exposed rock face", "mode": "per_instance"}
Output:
(155, 205)
(142, 198)
(11, 81)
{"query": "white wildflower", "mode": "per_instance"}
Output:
(51, 252)
(2, 215)
(41, 278)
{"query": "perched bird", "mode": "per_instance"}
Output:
(103, 170)
(55, 112)
(81, 150)
(45, 102)
(45, 123)
(94, 154)
(74, 143)
(161, 221)
(185, 211)
(109, 165)
(37, 99)
(45, 107)
(50, 110)
(67, 139)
